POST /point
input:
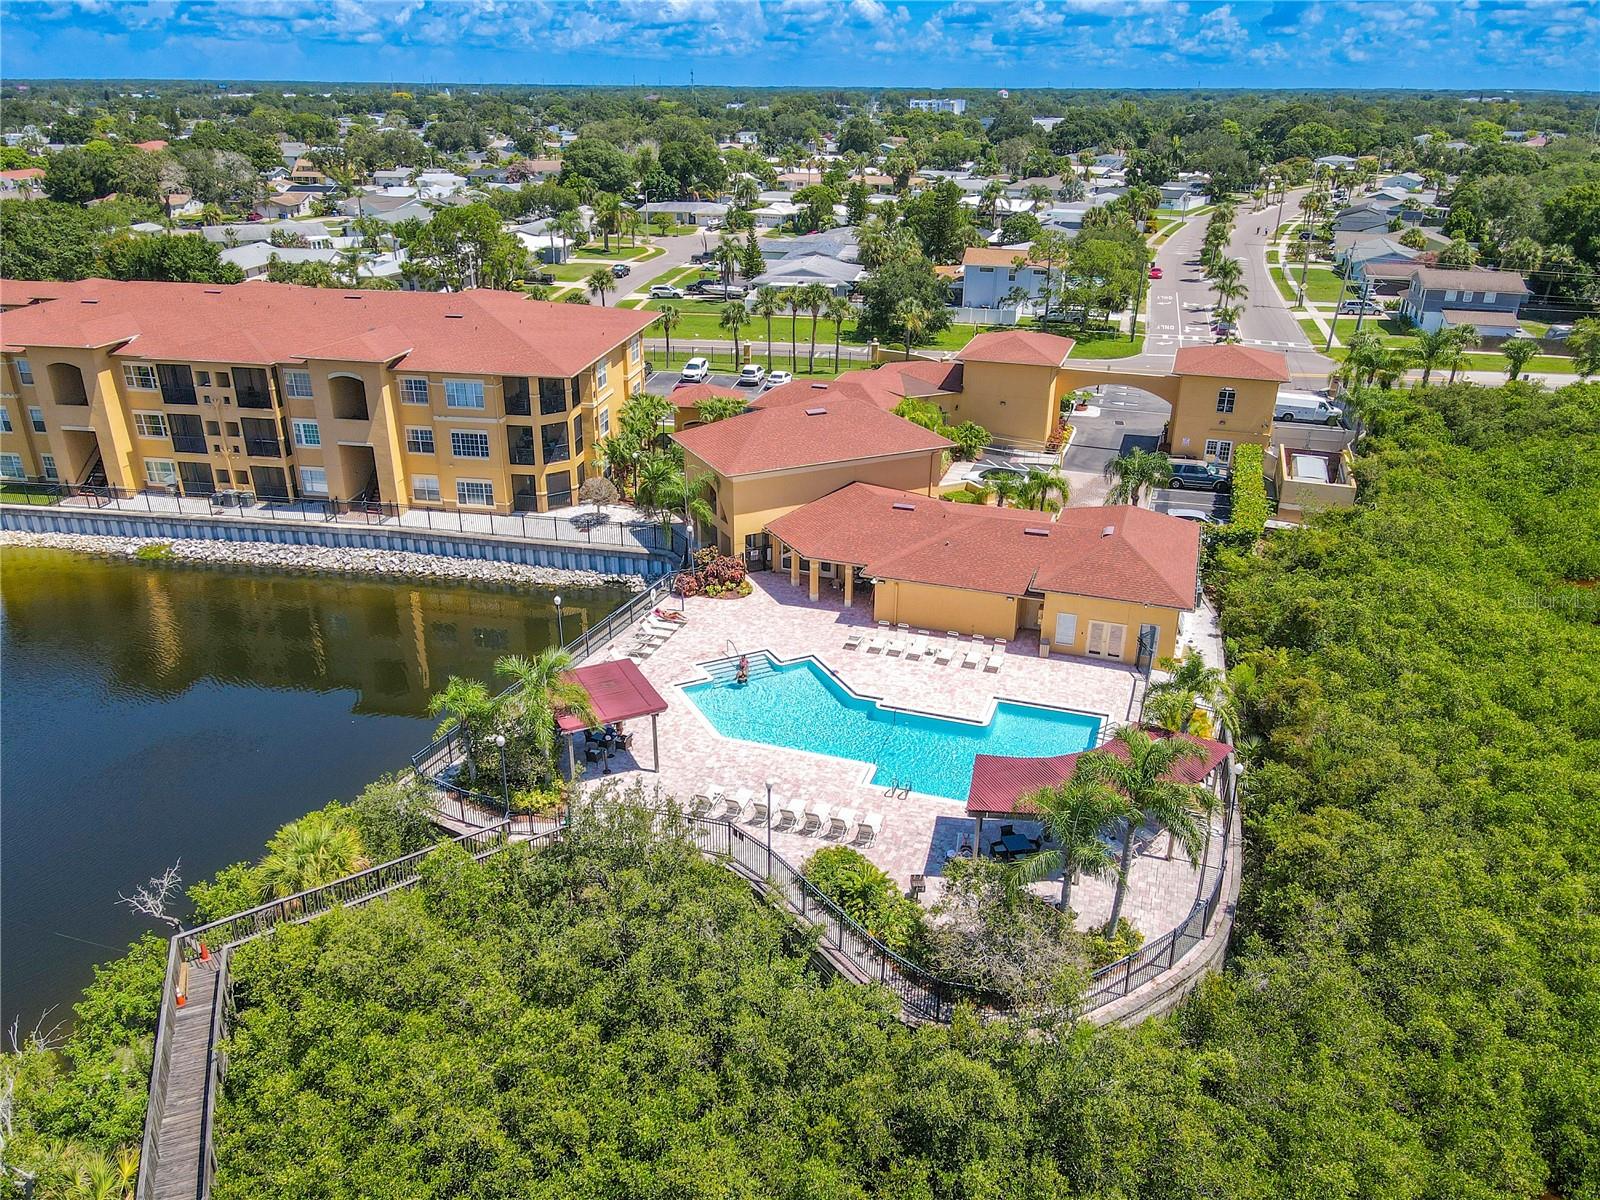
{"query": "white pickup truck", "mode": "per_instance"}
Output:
(1306, 406)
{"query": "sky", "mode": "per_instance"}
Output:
(1455, 44)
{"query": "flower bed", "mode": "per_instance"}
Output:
(720, 576)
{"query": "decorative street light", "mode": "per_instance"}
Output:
(561, 632)
(505, 786)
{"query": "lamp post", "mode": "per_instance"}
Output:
(561, 630)
(769, 829)
(505, 786)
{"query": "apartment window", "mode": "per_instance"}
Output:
(233, 429)
(150, 424)
(634, 350)
(1222, 451)
(463, 393)
(36, 418)
(600, 373)
(47, 464)
(24, 370)
(1450, 295)
(466, 443)
(307, 433)
(419, 440)
(5, 420)
(414, 391)
(1466, 297)
(214, 428)
(222, 379)
(297, 384)
(161, 471)
(605, 422)
(11, 466)
(314, 481)
(1225, 398)
(425, 488)
(140, 376)
(577, 433)
(552, 397)
(478, 492)
(202, 378)
(1488, 297)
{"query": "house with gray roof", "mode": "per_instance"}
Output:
(687, 212)
(1489, 301)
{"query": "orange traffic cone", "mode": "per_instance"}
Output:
(205, 952)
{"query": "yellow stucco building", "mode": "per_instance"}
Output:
(483, 401)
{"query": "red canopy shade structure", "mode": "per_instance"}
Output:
(618, 691)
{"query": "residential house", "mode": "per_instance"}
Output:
(798, 270)
(302, 170)
(700, 213)
(393, 177)
(939, 104)
(1406, 181)
(481, 401)
(315, 232)
(1110, 162)
(1381, 262)
(1489, 301)
(993, 276)
(1183, 195)
(437, 185)
(746, 137)
(291, 202)
(1337, 162)
(180, 204)
(23, 182)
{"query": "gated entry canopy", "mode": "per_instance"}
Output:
(999, 782)
(617, 690)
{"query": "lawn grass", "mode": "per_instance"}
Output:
(618, 251)
(1309, 328)
(11, 493)
(570, 272)
(1107, 345)
(1394, 331)
(1283, 286)
(1272, 255)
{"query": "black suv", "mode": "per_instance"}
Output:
(1201, 476)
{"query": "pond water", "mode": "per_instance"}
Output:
(161, 712)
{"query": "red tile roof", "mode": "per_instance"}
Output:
(695, 394)
(999, 782)
(22, 173)
(150, 147)
(15, 292)
(1115, 552)
(832, 430)
(1020, 346)
(618, 691)
(884, 386)
(1228, 361)
(481, 332)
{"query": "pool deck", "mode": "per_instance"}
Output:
(919, 831)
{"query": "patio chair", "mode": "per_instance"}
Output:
(917, 647)
(945, 652)
(879, 639)
(790, 814)
(817, 818)
(867, 832)
(735, 804)
(895, 646)
(974, 655)
(699, 805)
(755, 809)
(992, 663)
(853, 642)
(835, 826)
(847, 819)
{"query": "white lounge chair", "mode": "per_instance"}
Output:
(879, 639)
(755, 809)
(736, 803)
(835, 826)
(853, 642)
(846, 819)
(974, 655)
(821, 814)
(788, 813)
(867, 832)
(945, 652)
(917, 647)
(699, 805)
(895, 646)
(992, 663)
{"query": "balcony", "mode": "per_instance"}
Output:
(257, 447)
(183, 443)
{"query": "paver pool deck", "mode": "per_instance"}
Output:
(919, 831)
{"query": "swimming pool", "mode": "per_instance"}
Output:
(802, 706)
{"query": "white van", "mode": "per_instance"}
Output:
(1306, 406)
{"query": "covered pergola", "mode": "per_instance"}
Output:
(1000, 784)
(618, 691)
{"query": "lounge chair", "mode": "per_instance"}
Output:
(846, 819)
(879, 639)
(974, 655)
(822, 814)
(853, 642)
(737, 802)
(917, 647)
(835, 826)
(699, 805)
(792, 815)
(992, 663)
(896, 645)
(755, 809)
(945, 652)
(867, 832)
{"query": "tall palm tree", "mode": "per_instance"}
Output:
(1462, 339)
(668, 317)
(838, 310)
(1043, 490)
(665, 489)
(608, 215)
(570, 226)
(733, 317)
(1225, 273)
(913, 320)
(465, 703)
(767, 304)
(791, 305)
(599, 282)
(1144, 778)
(813, 298)
(1518, 351)
(1078, 815)
(1134, 473)
(310, 852)
(542, 694)
(1039, 196)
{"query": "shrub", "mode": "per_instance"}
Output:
(868, 896)
(1250, 510)
(971, 439)
(1105, 949)
(713, 574)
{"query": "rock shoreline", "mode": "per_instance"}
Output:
(323, 560)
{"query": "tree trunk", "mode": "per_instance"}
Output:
(1066, 889)
(1122, 878)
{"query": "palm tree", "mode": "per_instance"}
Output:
(734, 317)
(1134, 473)
(1144, 778)
(668, 317)
(989, 201)
(570, 226)
(1043, 490)
(1177, 698)
(608, 215)
(465, 703)
(913, 319)
(599, 282)
(767, 304)
(813, 298)
(1433, 349)
(1462, 339)
(1518, 352)
(1225, 273)
(837, 310)
(631, 221)
(1077, 815)
(1039, 196)
(665, 489)
(543, 692)
(310, 852)
(745, 192)
(791, 305)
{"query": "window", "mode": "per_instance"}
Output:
(307, 433)
(314, 481)
(24, 370)
(233, 429)
(202, 378)
(47, 464)
(1450, 295)
(1225, 398)
(475, 491)
(1488, 297)
(425, 487)
(36, 418)
(600, 373)
(463, 393)
(161, 471)
(5, 420)
(150, 424)
(1466, 297)
(414, 391)
(466, 443)
(11, 466)
(552, 397)
(634, 350)
(1222, 451)
(605, 422)
(139, 376)
(222, 379)
(297, 384)
(419, 440)
(214, 428)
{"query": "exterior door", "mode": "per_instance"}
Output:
(758, 552)
(1105, 640)
(1149, 638)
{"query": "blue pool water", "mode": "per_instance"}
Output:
(801, 705)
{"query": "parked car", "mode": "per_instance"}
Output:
(541, 277)
(1306, 406)
(1155, 272)
(665, 291)
(1225, 330)
(1558, 333)
(1200, 476)
(618, 270)
(1353, 307)
(696, 370)
(704, 256)
(778, 379)
(751, 375)
(1197, 515)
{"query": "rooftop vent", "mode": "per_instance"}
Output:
(1036, 531)
(903, 506)
(88, 302)
(819, 387)
(816, 412)
(1108, 531)
(454, 316)
(213, 291)
(352, 296)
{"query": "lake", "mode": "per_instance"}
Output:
(161, 712)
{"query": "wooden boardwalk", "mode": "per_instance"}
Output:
(178, 1173)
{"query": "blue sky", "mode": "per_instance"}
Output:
(971, 43)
